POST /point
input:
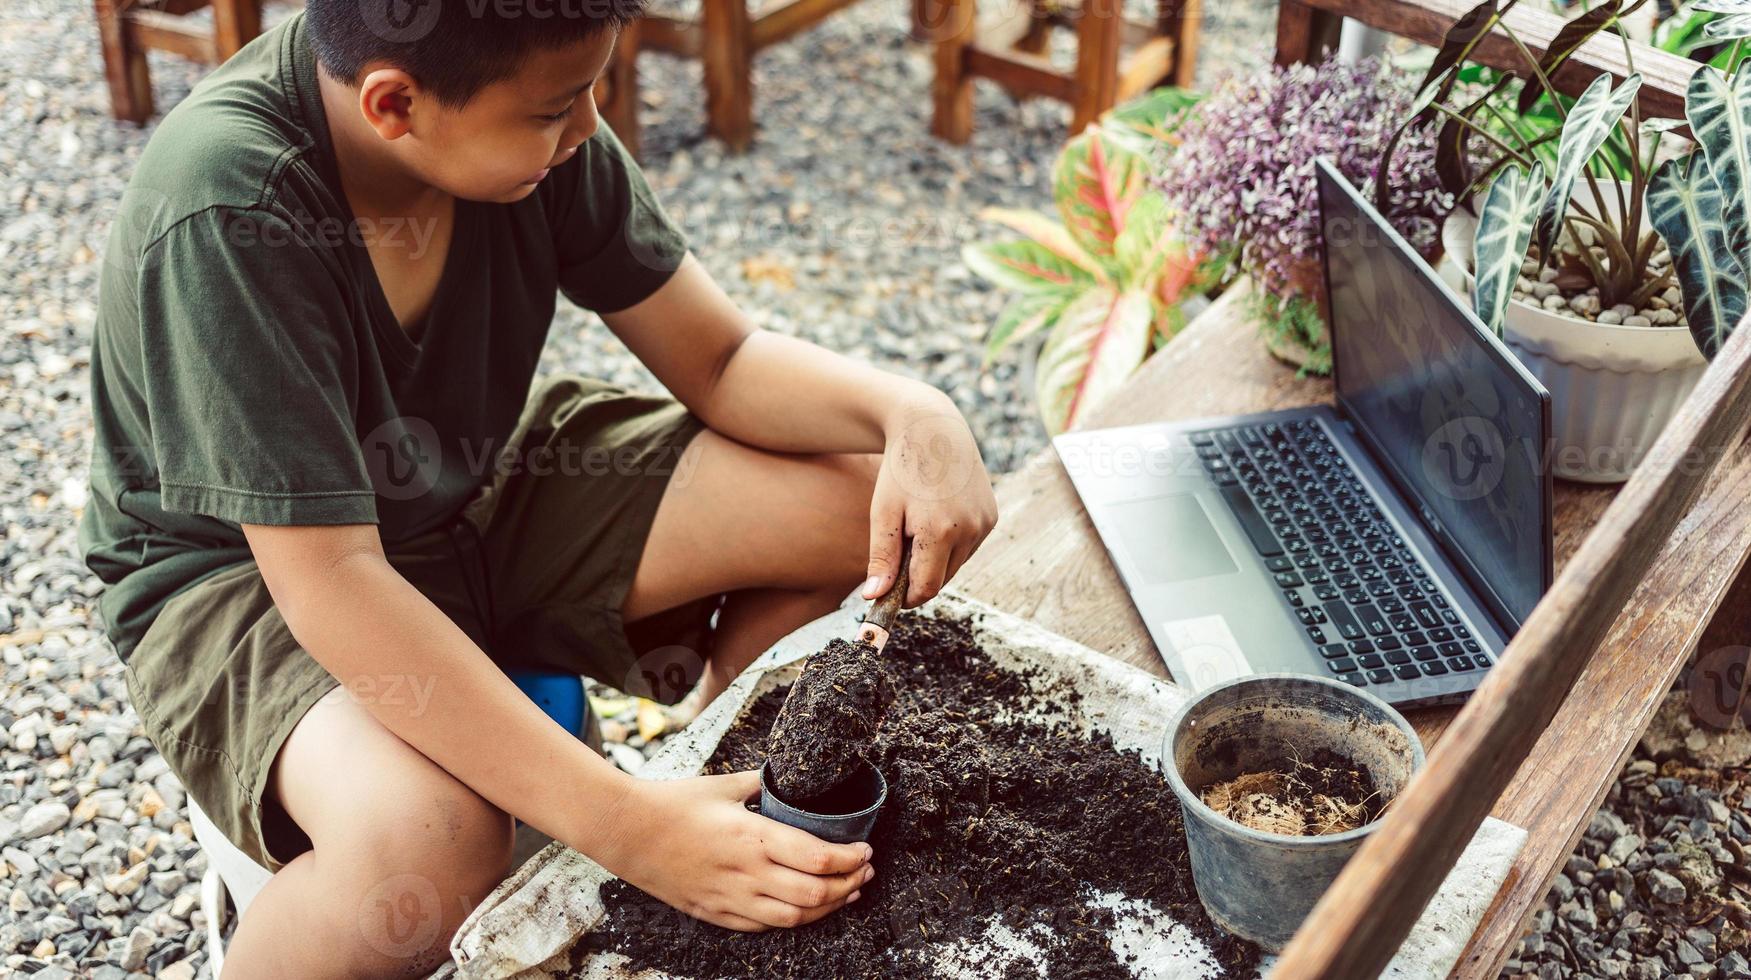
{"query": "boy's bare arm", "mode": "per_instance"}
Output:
(689, 842)
(788, 395)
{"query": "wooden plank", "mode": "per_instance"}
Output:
(782, 18)
(954, 24)
(728, 57)
(1360, 922)
(168, 32)
(679, 37)
(1097, 61)
(617, 97)
(1021, 72)
(235, 23)
(1182, 21)
(1305, 34)
(1568, 772)
(124, 66)
(1147, 67)
(1664, 75)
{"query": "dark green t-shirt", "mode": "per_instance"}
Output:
(247, 367)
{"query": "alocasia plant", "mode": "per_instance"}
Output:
(1104, 280)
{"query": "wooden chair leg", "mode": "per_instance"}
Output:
(1098, 34)
(618, 103)
(728, 56)
(953, 23)
(1039, 29)
(1181, 20)
(235, 23)
(1305, 34)
(124, 66)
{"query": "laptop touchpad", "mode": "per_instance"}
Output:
(1170, 539)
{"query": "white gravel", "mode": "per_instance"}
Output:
(843, 226)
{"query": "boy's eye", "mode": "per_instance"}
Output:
(559, 116)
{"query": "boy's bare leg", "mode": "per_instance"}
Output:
(786, 536)
(402, 852)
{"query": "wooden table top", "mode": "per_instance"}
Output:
(1044, 562)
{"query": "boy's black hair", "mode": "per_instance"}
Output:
(454, 48)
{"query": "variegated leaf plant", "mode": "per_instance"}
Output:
(1601, 133)
(1102, 282)
(1698, 203)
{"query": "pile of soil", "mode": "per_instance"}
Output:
(1327, 794)
(990, 819)
(828, 725)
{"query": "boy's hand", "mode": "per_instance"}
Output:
(693, 844)
(933, 488)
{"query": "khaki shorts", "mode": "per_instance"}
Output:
(535, 571)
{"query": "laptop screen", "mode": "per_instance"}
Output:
(1443, 405)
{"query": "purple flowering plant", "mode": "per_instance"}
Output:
(1242, 179)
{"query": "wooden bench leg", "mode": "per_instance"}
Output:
(124, 66)
(235, 23)
(953, 24)
(1182, 20)
(618, 100)
(728, 56)
(1305, 34)
(1098, 33)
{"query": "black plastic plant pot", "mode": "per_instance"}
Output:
(1260, 886)
(862, 796)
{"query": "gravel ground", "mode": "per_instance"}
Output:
(843, 226)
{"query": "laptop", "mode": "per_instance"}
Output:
(1395, 540)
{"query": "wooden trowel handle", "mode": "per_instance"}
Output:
(879, 621)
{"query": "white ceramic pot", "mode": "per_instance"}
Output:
(1613, 388)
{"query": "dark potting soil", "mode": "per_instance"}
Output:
(989, 817)
(828, 725)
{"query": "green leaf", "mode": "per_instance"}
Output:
(1685, 207)
(1146, 241)
(1155, 115)
(1503, 232)
(1050, 233)
(1456, 45)
(1097, 181)
(1453, 155)
(1719, 112)
(1099, 340)
(1027, 315)
(1591, 120)
(1568, 40)
(1729, 28)
(1027, 266)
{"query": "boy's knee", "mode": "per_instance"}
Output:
(419, 867)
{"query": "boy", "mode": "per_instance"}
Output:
(330, 510)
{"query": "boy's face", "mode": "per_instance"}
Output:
(500, 144)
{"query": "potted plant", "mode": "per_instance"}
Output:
(1243, 178)
(1106, 281)
(1590, 278)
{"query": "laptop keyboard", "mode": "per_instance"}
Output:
(1364, 599)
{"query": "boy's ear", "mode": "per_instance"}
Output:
(387, 97)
